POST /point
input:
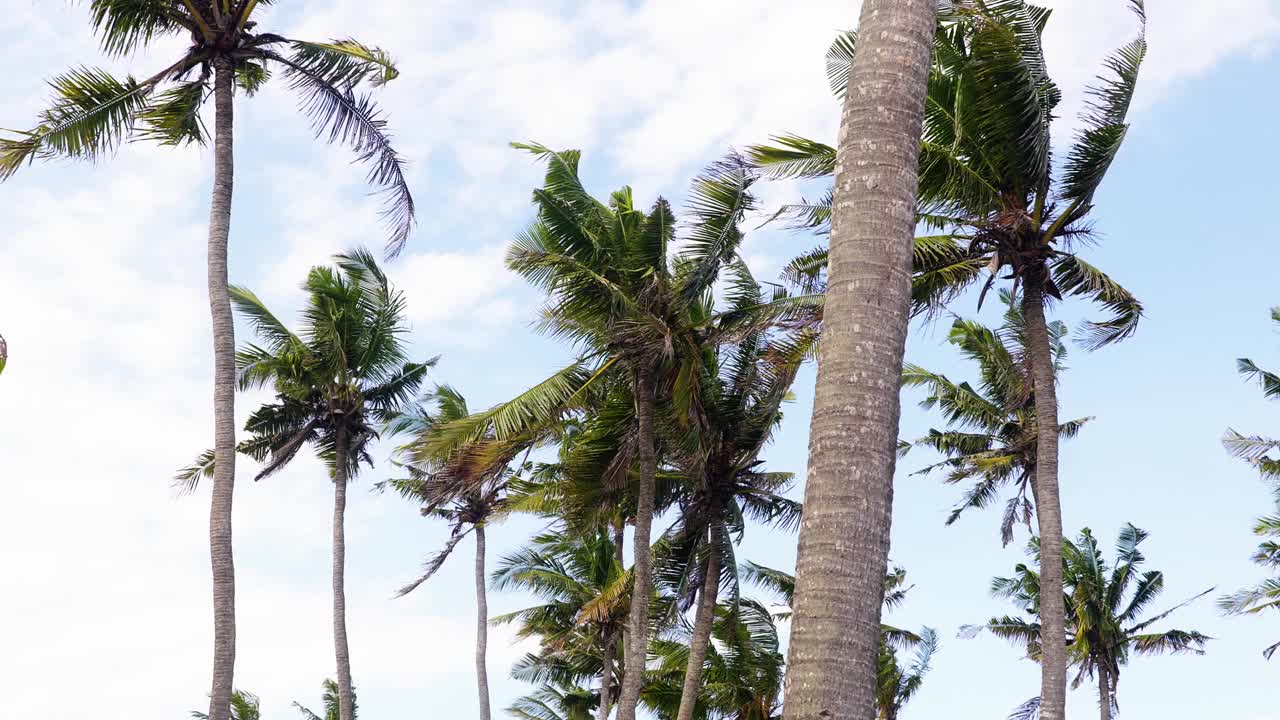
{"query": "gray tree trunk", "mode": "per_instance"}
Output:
(703, 619)
(1104, 694)
(844, 534)
(224, 372)
(346, 700)
(482, 626)
(609, 653)
(618, 642)
(1053, 665)
(638, 633)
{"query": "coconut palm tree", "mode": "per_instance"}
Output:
(635, 315)
(990, 438)
(1105, 606)
(243, 706)
(986, 181)
(93, 112)
(1258, 450)
(552, 703)
(335, 382)
(585, 605)
(462, 490)
(744, 668)
(331, 703)
(739, 405)
(844, 536)
(897, 685)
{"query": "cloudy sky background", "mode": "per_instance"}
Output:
(105, 604)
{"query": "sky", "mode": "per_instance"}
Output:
(105, 606)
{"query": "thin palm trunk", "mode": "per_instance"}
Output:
(609, 652)
(1104, 693)
(844, 534)
(642, 584)
(1053, 666)
(224, 438)
(702, 620)
(482, 626)
(621, 638)
(346, 700)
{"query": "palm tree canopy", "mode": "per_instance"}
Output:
(1107, 607)
(990, 436)
(987, 181)
(329, 701)
(93, 111)
(244, 706)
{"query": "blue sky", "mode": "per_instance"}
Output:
(106, 393)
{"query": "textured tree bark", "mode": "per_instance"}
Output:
(638, 632)
(609, 652)
(1053, 665)
(703, 618)
(482, 626)
(224, 371)
(844, 534)
(1104, 694)
(346, 700)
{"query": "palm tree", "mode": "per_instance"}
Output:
(636, 317)
(4, 353)
(585, 594)
(93, 112)
(330, 702)
(1105, 608)
(987, 182)
(1257, 450)
(344, 374)
(466, 493)
(844, 536)
(991, 433)
(552, 703)
(242, 706)
(895, 684)
(742, 391)
(744, 668)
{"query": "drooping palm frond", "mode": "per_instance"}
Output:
(1074, 276)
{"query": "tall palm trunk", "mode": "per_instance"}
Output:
(642, 584)
(482, 626)
(1104, 693)
(702, 621)
(224, 430)
(346, 700)
(844, 535)
(616, 644)
(1053, 666)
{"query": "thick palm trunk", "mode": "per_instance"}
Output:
(224, 437)
(346, 700)
(482, 627)
(1053, 666)
(1104, 694)
(642, 585)
(702, 621)
(844, 535)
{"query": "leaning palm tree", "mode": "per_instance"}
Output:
(330, 702)
(844, 537)
(335, 382)
(94, 111)
(986, 182)
(1105, 608)
(243, 706)
(634, 314)
(460, 490)
(1259, 451)
(991, 433)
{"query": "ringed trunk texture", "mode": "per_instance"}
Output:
(1104, 694)
(844, 534)
(638, 631)
(482, 627)
(702, 621)
(609, 652)
(224, 430)
(346, 700)
(1053, 666)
